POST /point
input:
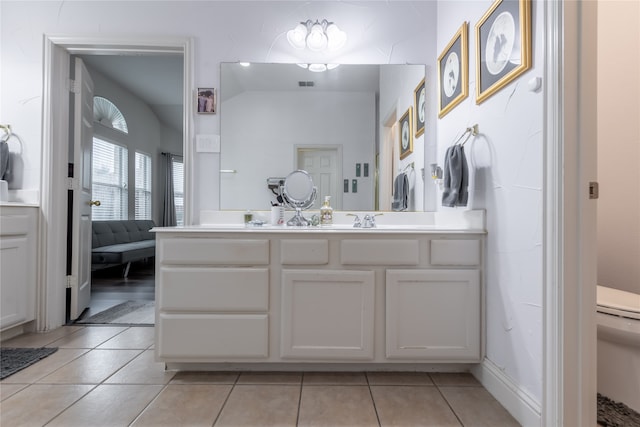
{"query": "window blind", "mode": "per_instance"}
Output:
(178, 188)
(109, 180)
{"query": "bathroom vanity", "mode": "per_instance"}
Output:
(228, 294)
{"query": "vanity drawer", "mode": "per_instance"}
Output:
(213, 289)
(379, 252)
(210, 336)
(455, 252)
(304, 251)
(194, 251)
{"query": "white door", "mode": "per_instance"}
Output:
(80, 281)
(322, 165)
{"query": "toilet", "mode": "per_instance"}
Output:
(618, 319)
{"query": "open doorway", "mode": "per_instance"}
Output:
(130, 175)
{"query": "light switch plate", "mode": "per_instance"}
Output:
(207, 143)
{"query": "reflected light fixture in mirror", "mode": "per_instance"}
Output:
(318, 68)
(317, 36)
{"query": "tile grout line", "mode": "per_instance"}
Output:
(447, 402)
(300, 399)
(226, 399)
(375, 408)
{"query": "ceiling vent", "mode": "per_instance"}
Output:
(306, 84)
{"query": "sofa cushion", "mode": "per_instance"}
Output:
(123, 252)
(114, 232)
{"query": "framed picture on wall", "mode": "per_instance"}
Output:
(453, 71)
(503, 46)
(406, 133)
(419, 99)
(206, 100)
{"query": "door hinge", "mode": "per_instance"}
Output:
(594, 190)
(72, 281)
(73, 183)
(73, 86)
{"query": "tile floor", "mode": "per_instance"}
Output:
(106, 376)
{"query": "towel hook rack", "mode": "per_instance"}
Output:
(468, 132)
(7, 132)
(411, 165)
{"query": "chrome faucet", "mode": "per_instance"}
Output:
(368, 220)
(356, 221)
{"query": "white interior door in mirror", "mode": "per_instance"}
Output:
(324, 165)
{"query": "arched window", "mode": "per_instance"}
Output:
(106, 113)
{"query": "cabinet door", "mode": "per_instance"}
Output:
(14, 278)
(327, 314)
(433, 315)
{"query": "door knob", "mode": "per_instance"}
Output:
(94, 202)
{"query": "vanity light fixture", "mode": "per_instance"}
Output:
(245, 64)
(317, 36)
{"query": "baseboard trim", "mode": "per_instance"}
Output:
(515, 400)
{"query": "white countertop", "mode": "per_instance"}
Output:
(381, 229)
(457, 222)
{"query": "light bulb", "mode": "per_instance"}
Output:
(296, 37)
(317, 39)
(317, 68)
(337, 37)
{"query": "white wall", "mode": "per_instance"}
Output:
(619, 144)
(507, 159)
(270, 125)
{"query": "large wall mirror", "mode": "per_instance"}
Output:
(341, 125)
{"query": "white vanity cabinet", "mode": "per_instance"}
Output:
(18, 261)
(316, 295)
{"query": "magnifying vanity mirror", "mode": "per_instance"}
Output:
(341, 126)
(299, 193)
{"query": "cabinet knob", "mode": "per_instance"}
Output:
(94, 202)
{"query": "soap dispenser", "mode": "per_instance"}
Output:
(326, 212)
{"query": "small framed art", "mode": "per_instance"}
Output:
(503, 46)
(453, 71)
(406, 133)
(419, 99)
(206, 101)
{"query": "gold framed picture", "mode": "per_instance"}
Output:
(419, 100)
(503, 46)
(453, 71)
(406, 133)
